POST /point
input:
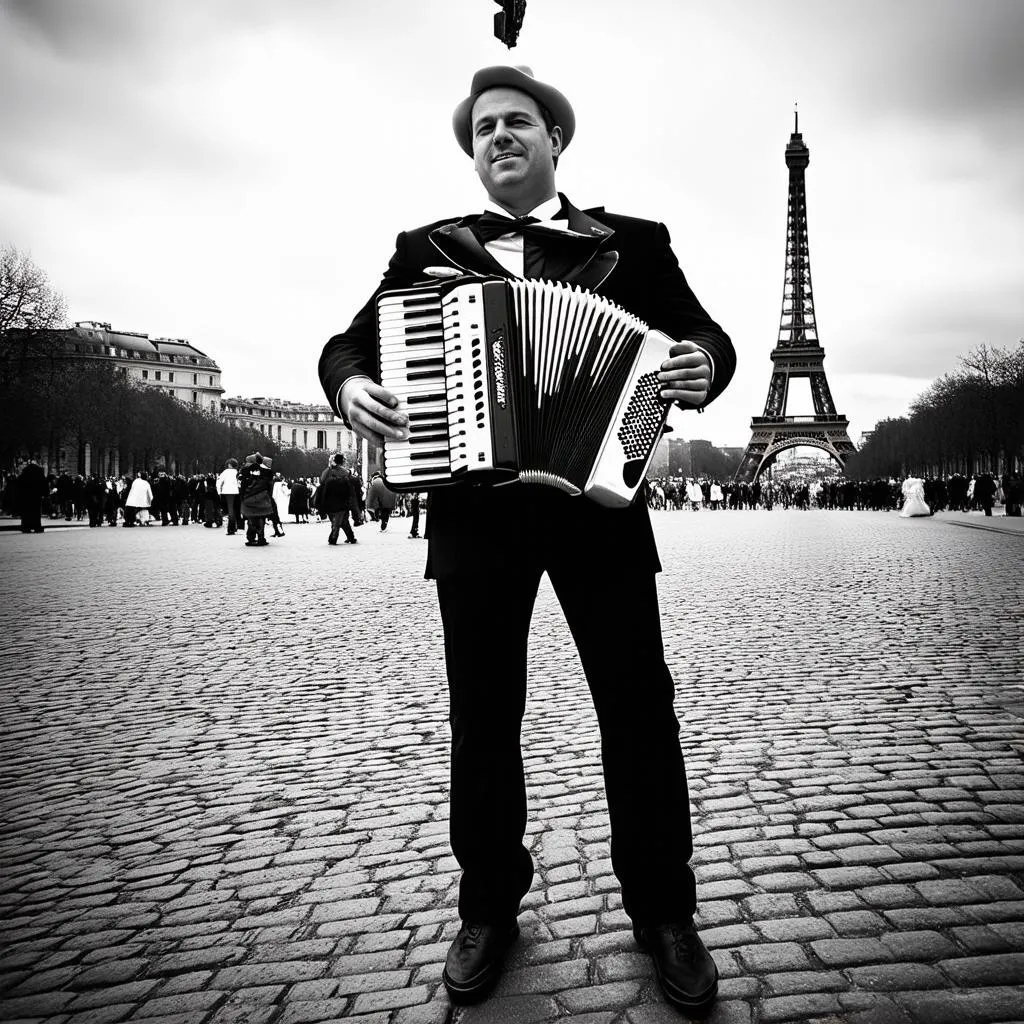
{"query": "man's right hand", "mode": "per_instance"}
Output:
(372, 410)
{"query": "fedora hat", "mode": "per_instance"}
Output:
(521, 78)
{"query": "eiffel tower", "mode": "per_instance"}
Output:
(798, 352)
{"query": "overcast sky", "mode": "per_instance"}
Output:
(235, 171)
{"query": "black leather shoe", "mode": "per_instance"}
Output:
(685, 969)
(476, 958)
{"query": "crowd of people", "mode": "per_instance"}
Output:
(957, 493)
(252, 496)
(246, 495)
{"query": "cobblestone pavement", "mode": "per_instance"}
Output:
(224, 780)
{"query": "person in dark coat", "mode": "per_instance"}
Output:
(985, 492)
(298, 501)
(489, 547)
(66, 495)
(210, 498)
(163, 501)
(336, 499)
(32, 488)
(179, 499)
(95, 492)
(255, 487)
(1013, 493)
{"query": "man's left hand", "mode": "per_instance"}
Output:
(686, 374)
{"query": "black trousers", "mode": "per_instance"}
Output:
(617, 629)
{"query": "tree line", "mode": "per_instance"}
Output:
(968, 421)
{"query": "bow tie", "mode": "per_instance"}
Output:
(491, 225)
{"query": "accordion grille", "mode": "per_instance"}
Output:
(575, 352)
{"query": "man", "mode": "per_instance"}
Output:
(336, 498)
(227, 490)
(380, 499)
(488, 548)
(162, 500)
(255, 483)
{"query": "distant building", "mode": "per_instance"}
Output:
(172, 365)
(291, 424)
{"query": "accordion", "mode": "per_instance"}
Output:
(526, 380)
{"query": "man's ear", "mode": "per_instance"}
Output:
(556, 140)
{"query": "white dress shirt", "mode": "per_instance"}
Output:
(508, 249)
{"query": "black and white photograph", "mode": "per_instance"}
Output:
(669, 661)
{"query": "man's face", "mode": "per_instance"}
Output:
(512, 149)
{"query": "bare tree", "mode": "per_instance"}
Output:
(27, 302)
(31, 314)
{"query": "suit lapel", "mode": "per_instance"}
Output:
(457, 243)
(587, 261)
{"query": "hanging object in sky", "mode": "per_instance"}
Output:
(509, 20)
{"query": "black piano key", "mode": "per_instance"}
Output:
(429, 438)
(416, 399)
(425, 361)
(442, 454)
(437, 416)
(426, 375)
(435, 423)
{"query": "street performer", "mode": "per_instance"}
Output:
(489, 547)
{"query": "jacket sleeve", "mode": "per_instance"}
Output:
(681, 316)
(353, 352)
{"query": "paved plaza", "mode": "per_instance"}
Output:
(224, 779)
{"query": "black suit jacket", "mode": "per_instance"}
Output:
(475, 529)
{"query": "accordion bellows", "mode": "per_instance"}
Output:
(529, 380)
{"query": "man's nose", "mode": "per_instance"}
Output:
(501, 132)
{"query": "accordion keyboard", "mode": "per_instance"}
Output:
(412, 366)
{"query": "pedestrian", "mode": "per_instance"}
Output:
(298, 501)
(414, 509)
(162, 499)
(1013, 493)
(227, 489)
(32, 488)
(694, 495)
(336, 499)
(489, 547)
(138, 501)
(281, 493)
(984, 492)
(211, 501)
(255, 482)
(179, 499)
(913, 499)
(95, 492)
(380, 500)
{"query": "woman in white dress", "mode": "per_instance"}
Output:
(138, 502)
(913, 498)
(282, 492)
(694, 494)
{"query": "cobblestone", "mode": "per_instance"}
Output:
(189, 843)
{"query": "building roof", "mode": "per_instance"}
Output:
(136, 341)
(281, 403)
